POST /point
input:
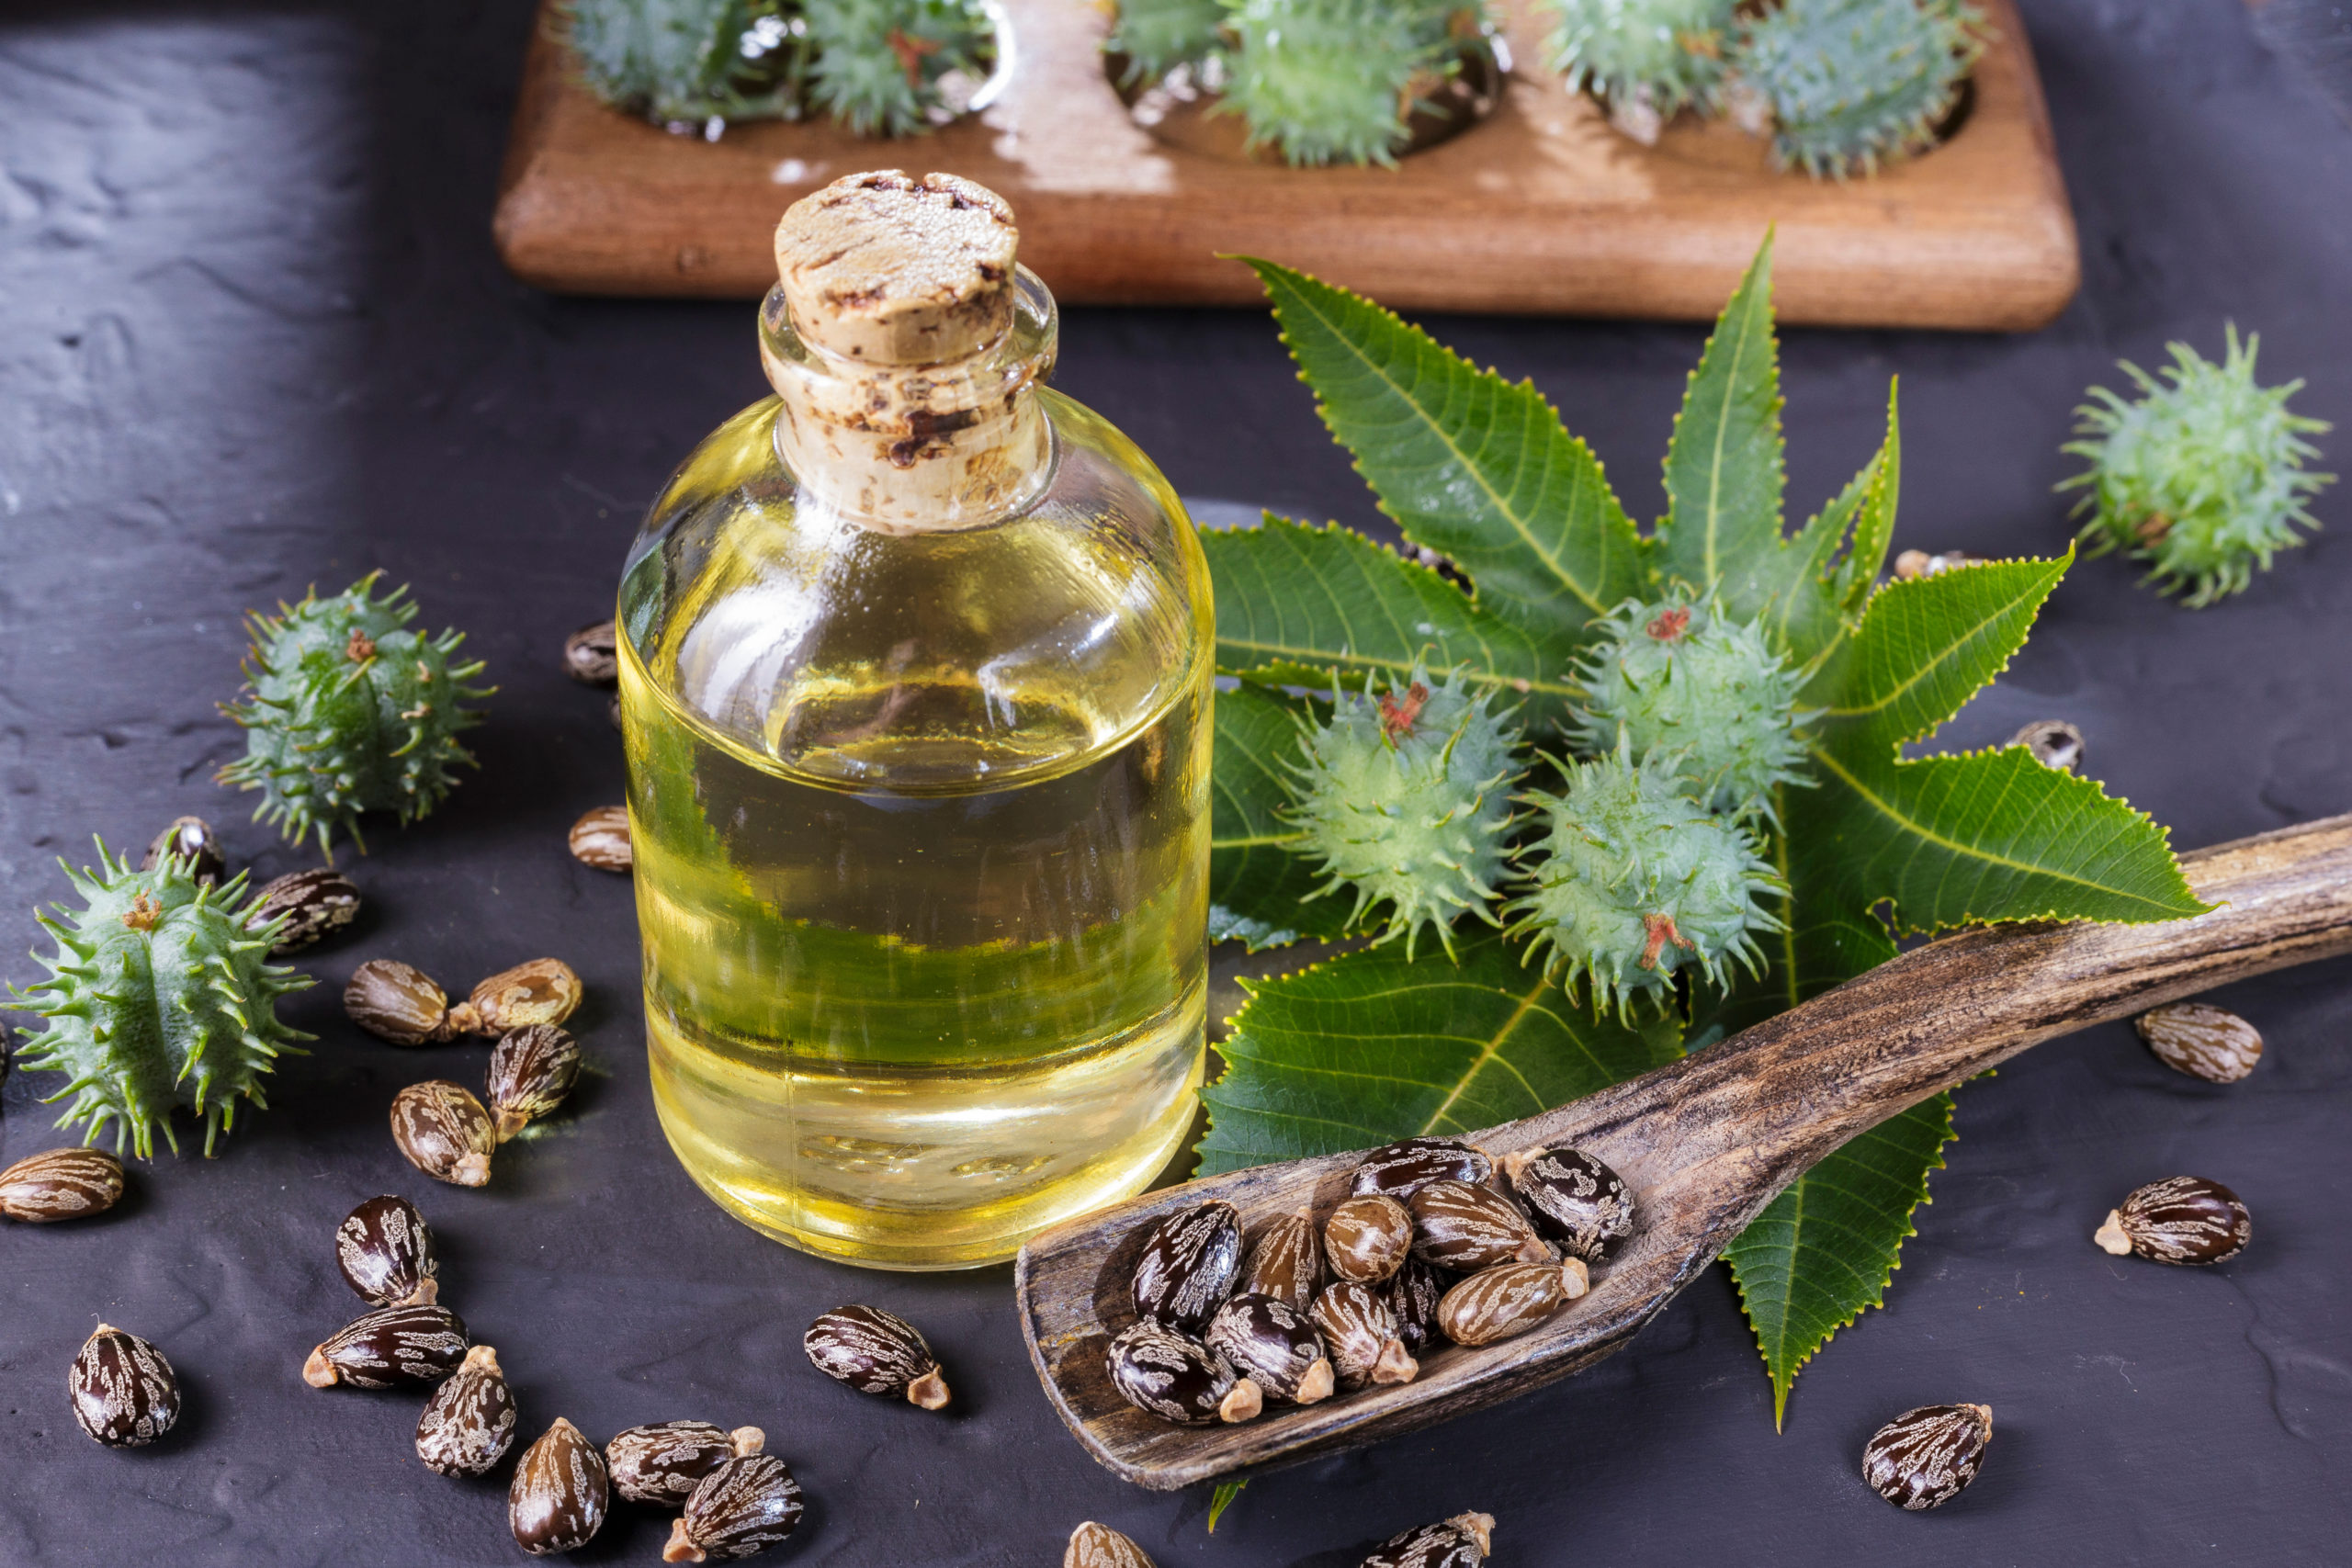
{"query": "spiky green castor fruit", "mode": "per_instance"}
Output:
(1405, 796)
(1156, 34)
(1700, 695)
(1852, 85)
(1633, 881)
(348, 711)
(1332, 81)
(689, 62)
(158, 999)
(2201, 477)
(880, 63)
(1649, 58)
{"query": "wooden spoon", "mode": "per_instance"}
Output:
(1705, 1144)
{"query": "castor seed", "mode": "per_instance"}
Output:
(544, 990)
(1189, 1264)
(468, 1424)
(60, 1184)
(312, 903)
(1367, 1238)
(1286, 1261)
(560, 1494)
(385, 1250)
(601, 839)
(1499, 1302)
(2054, 743)
(1273, 1345)
(1464, 1228)
(125, 1394)
(2182, 1219)
(531, 1070)
(661, 1463)
(1461, 1541)
(1927, 1457)
(1403, 1168)
(745, 1505)
(1913, 564)
(1413, 1294)
(1099, 1546)
(398, 1002)
(1574, 1199)
(592, 654)
(2201, 1040)
(415, 1343)
(191, 840)
(1175, 1377)
(1359, 1334)
(444, 1132)
(875, 1351)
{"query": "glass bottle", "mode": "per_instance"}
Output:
(916, 674)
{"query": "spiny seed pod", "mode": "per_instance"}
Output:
(60, 1184)
(1177, 1378)
(444, 1132)
(873, 86)
(1500, 1302)
(1647, 59)
(1359, 1333)
(1927, 1457)
(601, 839)
(1190, 1261)
(560, 1494)
(125, 1394)
(2201, 478)
(1154, 36)
(875, 1351)
(305, 906)
(1328, 81)
(1462, 1228)
(158, 999)
(747, 1505)
(418, 1342)
(2201, 1040)
(592, 654)
(1634, 882)
(661, 1464)
(1461, 1541)
(2053, 742)
(1273, 1345)
(1414, 1295)
(385, 1250)
(2182, 1219)
(544, 990)
(1854, 84)
(1574, 1199)
(1403, 1168)
(1404, 798)
(468, 1424)
(190, 838)
(1679, 681)
(1366, 1239)
(398, 1002)
(531, 1070)
(1099, 1546)
(1286, 1262)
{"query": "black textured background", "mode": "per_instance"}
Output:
(253, 335)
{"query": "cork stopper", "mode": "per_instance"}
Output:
(887, 268)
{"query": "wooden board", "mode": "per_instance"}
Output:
(1543, 208)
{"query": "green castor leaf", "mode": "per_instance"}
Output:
(879, 63)
(1332, 81)
(1665, 55)
(1852, 85)
(158, 999)
(1404, 798)
(348, 711)
(1158, 35)
(2201, 477)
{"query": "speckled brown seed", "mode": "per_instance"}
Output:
(544, 990)
(1465, 1228)
(1175, 1377)
(1413, 1294)
(1099, 1546)
(1360, 1335)
(560, 1494)
(125, 1394)
(1286, 1261)
(875, 1351)
(60, 1184)
(592, 654)
(661, 1464)
(444, 1132)
(745, 1505)
(2182, 1219)
(193, 842)
(1499, 1302)
(531, 1070)
(1402, 1168)
(312, 903)
(1574, 1199)
(2053, 742)
(2201, 1040)
(398, 1002)
(468, 1424)
(1461, 1541)
(385, 1250)
(600, 838)
(1190, 1262)
(1273, 1345)
(1919, 563)
(1927, 1457)
(1367, 1238)
(391, 1346)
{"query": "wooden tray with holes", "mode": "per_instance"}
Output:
(1541, 209)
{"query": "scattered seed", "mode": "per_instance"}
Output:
(545, 991)
(398, 1002)
(2182, 1219)
(2201, 1040)
(1175, 1377)
(601, 839)
(745, 1505)
(1367, 1238)
(1099, 1546)
(1287, 1261)
(1273, 1345)
(1413, 1294)
(1927, 1457)
(125, 1394)
(1497, 1304)
(1190, 1262)
(875, 1351)
(1464, 1228)
(191, 840)
(1461, 1541)
(1919, 563)
(60, 1184)
(385, 1250)
(558, 1500)
(592, 654)
(1574, 1199)
(468, 1424)
(1401, 1169)
(2053, 742)
(444, 1132)
(1359, 1335)
(312, 903)
(420, 1343)
(531, 1070)
(661, 1464)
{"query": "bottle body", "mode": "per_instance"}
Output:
(921, 829)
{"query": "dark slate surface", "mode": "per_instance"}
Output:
(252, 335)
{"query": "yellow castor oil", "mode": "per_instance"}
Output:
(916, 674)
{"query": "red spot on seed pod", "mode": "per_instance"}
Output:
(1670, 624)
(1661, 932)
(1396, 717)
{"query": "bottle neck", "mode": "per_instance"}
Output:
(917, 448)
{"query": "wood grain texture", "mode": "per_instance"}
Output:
(1542, 209)
(1704, 1143)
